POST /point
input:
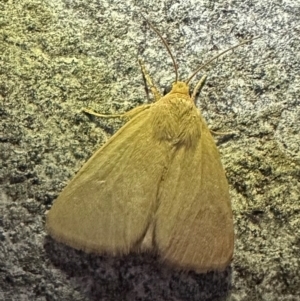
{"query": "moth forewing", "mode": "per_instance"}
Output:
(108, 205)
(193, 222)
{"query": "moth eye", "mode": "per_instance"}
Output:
(167, 89)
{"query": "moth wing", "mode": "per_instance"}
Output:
(194, 225)
(108, 205)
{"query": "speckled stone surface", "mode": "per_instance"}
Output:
(59, 56)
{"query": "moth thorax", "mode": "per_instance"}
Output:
(177, 121)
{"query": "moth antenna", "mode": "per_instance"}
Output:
(167, 47)
(218, 55)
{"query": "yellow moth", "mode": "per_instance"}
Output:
(158, 184)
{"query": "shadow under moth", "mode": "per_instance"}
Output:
(157, 184)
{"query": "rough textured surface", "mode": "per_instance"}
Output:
(59, 56)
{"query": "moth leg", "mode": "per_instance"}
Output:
(130, 114)
(149, 82)
(91, 112)
(198, 87)
(223, 133)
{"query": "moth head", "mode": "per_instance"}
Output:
(180, 87)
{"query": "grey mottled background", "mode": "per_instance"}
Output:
(59, 56)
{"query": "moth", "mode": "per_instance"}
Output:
(157, 184)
